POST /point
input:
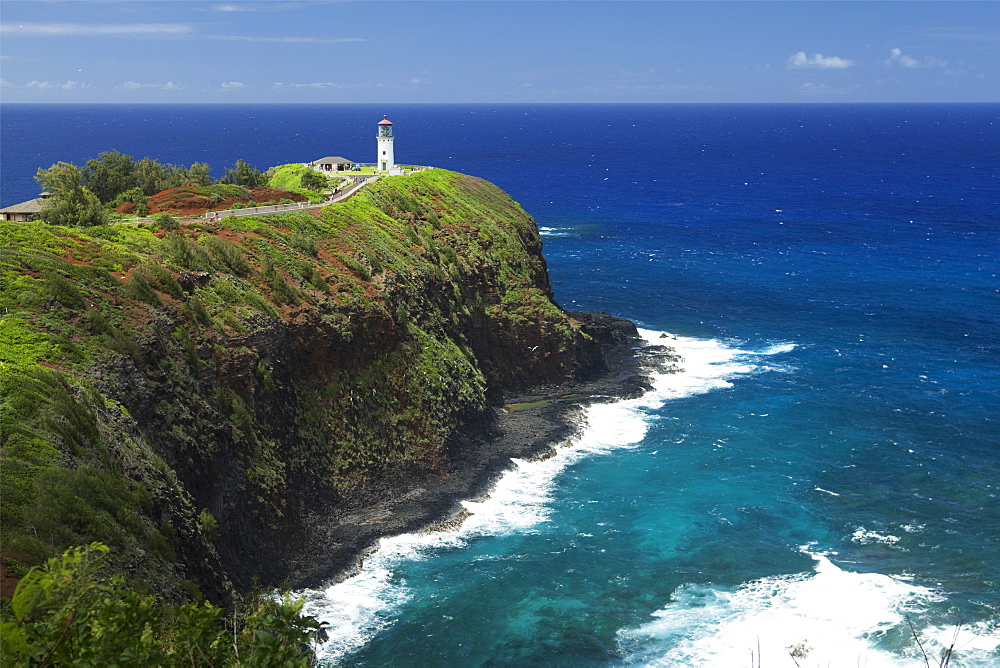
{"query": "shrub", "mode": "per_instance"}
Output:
(283, 292)
(228, 254)
(224, 190)
(186, 253)
(133, 195)
(97, 323)
(197, 309)
(227, 292)
(68, 612)
(164, 221)
(304, 244)
(84, 503)
(209, 525)
(63, 291)
(149, 277)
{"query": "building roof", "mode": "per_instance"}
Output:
(385, 120)
(31, 206)
(333, 160)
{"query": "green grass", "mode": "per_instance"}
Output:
(289, 177)
(286, 350)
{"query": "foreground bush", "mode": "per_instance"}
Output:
(64, 613)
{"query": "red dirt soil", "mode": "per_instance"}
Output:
(184, 204)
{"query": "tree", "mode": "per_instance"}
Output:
(243, 174)
(151, 176)
(71, 203)
(110, 174)
(313, 180)
(195, 176)
(199, 174)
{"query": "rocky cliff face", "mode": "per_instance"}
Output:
(229, 402)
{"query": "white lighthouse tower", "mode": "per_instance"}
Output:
(385, 161)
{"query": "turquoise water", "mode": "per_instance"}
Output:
(825, 466)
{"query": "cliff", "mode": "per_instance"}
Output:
(262, 398)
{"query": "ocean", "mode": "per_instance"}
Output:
(818, 487)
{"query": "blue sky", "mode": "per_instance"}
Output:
(482, 51)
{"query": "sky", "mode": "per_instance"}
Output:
(375, 51)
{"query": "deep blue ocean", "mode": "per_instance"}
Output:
(825, 468)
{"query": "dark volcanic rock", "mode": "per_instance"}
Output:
(277, 395)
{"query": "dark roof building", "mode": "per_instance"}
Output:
(24, 211)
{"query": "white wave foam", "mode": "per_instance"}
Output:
(707, 364)
(354, 609)
(863, 536)
(361, 606)
(830, 617)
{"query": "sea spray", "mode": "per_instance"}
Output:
(360, 607)
(827, 617)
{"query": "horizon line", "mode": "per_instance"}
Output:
(443, 104)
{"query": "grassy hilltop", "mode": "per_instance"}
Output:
(199, 399)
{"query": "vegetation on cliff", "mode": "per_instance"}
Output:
(69, 612)
(297, 176)
(196, 398)
(118, 183)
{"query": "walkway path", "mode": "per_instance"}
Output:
(338, 196)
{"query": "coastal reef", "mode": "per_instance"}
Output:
(259, 399)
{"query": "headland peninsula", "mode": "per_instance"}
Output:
(250, 401)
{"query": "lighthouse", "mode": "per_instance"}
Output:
(385, 160)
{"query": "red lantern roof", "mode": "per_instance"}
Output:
(385, 120)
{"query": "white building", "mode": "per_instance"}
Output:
(333, 163)
(385, 161)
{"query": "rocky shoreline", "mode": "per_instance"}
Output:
(528, 425)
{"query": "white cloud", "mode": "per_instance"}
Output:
(897, 57)
(801, 61)
(135, 85)
(288, 40)
(49, 85)
(259, 7)
(415, 81)
(6, 84)
(231, 85)
(94, 29)
(321, 84)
